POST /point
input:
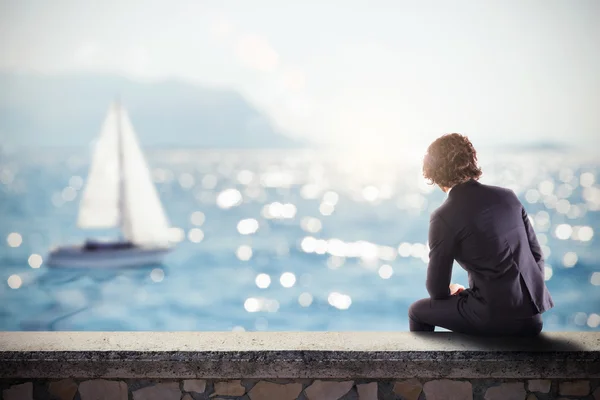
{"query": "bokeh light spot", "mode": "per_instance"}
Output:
(587, 179)
(546, 187)
(244, 252)
(76, 182)
(331, 198)
(532, 196)
(326, 209)
(69, 193)
(263, 281)
(252, 304)
(548, 272)
(197, 218)
(339, 300)
(386, 271)
(586, 233)
(287, 279)
(563, 231)
(195, 235)
(14, 239)
(404, 249)
(311, 224)
(247, 226)
(229, 198)
(580, 318)
(370, 193)
(14, 281)
(308, 244)
(186, 180)
(157, 275)
(593, 320)
(570, 259)
(35, 261)
(305, 299)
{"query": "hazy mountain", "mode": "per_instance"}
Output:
(68, 110)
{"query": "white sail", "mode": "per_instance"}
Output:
(99, 207)
(143, 218)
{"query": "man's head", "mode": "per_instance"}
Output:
(450, 160)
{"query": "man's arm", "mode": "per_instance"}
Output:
(536, 250)
(439, 269)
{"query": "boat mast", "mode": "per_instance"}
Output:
(121, 164)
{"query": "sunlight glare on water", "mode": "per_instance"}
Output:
(278, 240)
(14, 239)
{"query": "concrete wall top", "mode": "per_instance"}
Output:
(323, 355)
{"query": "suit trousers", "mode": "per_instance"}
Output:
(426, 314)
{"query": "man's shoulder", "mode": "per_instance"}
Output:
(507, 194)
(498, 189)
(442, 211)
(476, 198)
(485, 192)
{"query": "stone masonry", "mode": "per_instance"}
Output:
(300, 389)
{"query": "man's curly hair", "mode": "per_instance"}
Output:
(450, 160)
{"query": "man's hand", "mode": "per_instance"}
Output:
(455, 288)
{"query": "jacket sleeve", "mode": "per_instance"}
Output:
(536, 250)
(441, 258)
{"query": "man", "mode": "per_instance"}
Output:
(487, 231)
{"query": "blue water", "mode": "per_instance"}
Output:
(374, 210)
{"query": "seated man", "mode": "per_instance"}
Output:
(487, 231)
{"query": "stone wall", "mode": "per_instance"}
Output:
(305, 366)
(301, 389)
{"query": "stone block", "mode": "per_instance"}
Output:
(539, 385)
(574, 388)
(506, 391)
(446, 389)
(531, 396)
(367, 391)
(229, 388)
(187, 396)
(267, 391)
(328, 390)
(409, 389)
(23, 391)
(194, 385)
(102, 389)
(160, 391)
(64, 389)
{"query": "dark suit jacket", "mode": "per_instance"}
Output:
(487, 231)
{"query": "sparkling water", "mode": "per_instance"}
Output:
(279, 240)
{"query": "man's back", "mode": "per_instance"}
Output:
(486, 229)
(495, 243)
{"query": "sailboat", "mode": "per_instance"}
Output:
(119, 193)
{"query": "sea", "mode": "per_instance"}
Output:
(279, 240)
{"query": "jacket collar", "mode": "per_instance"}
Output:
(457, 188)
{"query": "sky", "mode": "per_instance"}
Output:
(358, 74)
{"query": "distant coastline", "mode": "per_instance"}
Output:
(67, 110)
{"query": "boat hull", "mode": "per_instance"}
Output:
(106, 258)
